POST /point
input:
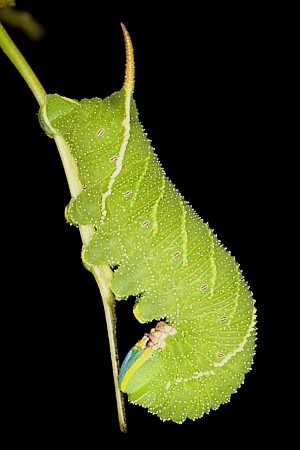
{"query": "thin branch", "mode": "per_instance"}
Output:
(18, 60)
(102, 274)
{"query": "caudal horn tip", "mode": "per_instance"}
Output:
(129, 70)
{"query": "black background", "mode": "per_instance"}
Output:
(203, 89)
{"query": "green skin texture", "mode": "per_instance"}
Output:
(163, 253)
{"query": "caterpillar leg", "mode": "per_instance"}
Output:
(103, 248)
(129, 279)
(84, 209)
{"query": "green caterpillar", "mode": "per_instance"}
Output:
(162, 253)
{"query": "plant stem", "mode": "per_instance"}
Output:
(18, 60)
(102, 274)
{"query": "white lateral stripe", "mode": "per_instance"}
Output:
(198, 375)
(242, 344)
(126, 124)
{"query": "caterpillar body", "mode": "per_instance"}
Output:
(162, 253)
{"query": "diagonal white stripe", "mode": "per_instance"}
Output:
(119, 165)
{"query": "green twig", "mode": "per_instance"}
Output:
(102, 274)
(18, 60)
